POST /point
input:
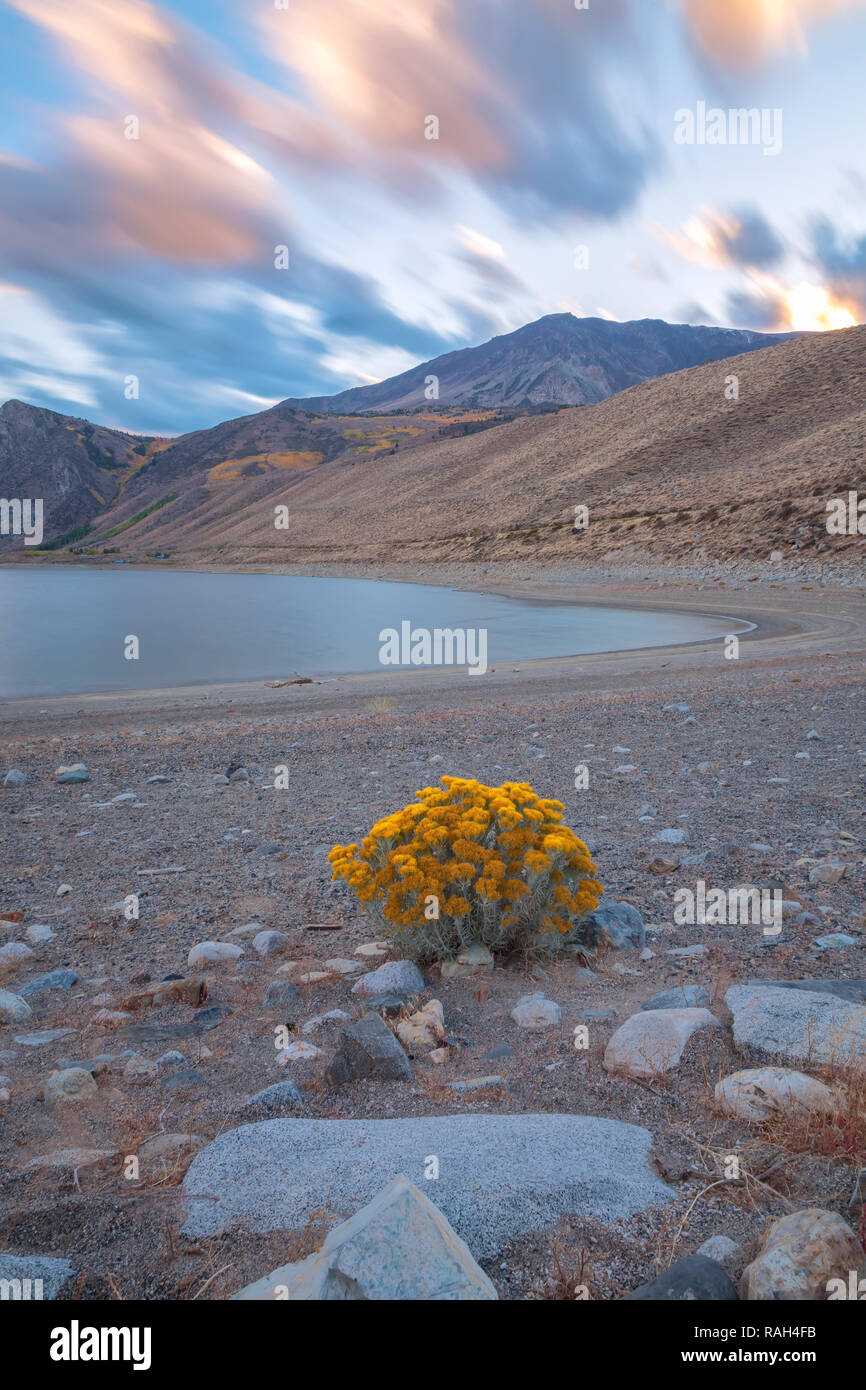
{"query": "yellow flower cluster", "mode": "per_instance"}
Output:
(466, 862)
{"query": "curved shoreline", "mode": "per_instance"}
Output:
(784, 630)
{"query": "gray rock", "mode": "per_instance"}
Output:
(499, 1051)
(204, 1020)
(55, 979)
(683, 997)
(833, 940)
(185, 1079)
(272, 1175)
(279, 992)
(760, 1093)
(476, 1083)
(171, 1059)
(158, 781)
(390, 1003)
(671, 836)
(800, 1026)
(14, 778)
(368, 1049)
(13, 1009)
(854, 991)
(397, 1248)
(723, 1250)
(38, 933)
(43, 1037)
(618, 924)
(34, 1276)
(75, 772)
(402, 976)
(283, 1095)
(693, 1279)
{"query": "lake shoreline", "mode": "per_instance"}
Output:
(788, 627)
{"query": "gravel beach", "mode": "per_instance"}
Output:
(756, 765)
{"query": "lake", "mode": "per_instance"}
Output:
(65, 630)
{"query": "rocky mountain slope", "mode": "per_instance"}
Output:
(558, 359)
(671, 468)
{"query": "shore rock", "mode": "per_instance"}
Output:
(36, 1271)
(760, 1093)
(650, 1043)
(399, 976)
(69, 1087)
(398, 1247)
(798, 1025)
(272, 1175)
(533, 1011)
(13, 1009)
(694, 1278)
(799, 1255)
(213, 953)
(619, 925)
(683, 997)
(368, 1049)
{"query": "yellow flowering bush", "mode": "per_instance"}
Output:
(466, 863)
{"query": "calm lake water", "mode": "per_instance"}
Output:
(62, 631)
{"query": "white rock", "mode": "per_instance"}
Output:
(341, 965)
(297, 1051)
(650, 1043)
(38, 934)
(759, 1093)
(533, 1011)
(213, 953)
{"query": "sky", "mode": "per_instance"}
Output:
(209, 206)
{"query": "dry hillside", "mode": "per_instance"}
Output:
(670, 468)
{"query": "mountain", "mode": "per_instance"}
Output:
(106, 491)
(671, 468)
(558, 359)
(79, 468)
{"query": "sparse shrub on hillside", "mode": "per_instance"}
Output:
(495, 863)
